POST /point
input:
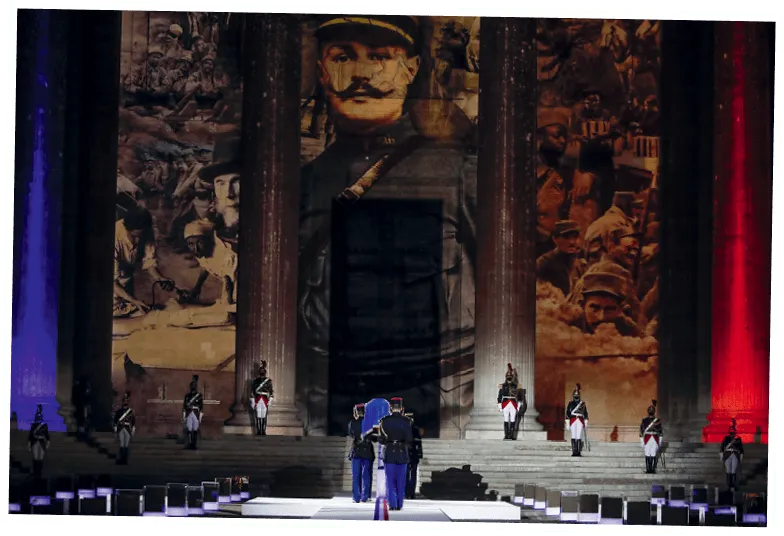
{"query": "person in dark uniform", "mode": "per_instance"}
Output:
(83, 406)
(396, 434)
(731, 454)
(508, 399)
(577, 421)
(38, 441)
(193, 412)
(362, 455)
(562, 266)
(260, 401)
(414, 456)
(124, 426)
(651, 434)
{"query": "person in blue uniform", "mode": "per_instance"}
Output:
(731, 454)
(414, 456)
(577, 420)
(396, 434)
(193, 412)
(38, 441)
(651, 433)
(362, 455)
(124, 426)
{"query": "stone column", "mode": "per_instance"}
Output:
(269, 205)
(742, 229)
(686, 226)
(506, 222)
(94, 89)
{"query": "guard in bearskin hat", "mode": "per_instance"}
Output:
(38, 441)
(577, 421)
(262, 396)
(193, 412)
(508, 400)
(124, 426)
(731, 454)
(651, 433)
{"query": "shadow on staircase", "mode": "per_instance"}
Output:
(93, 444)
(456, 484)
(298, 481)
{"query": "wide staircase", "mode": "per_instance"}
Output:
(490, 469)
(451, 469)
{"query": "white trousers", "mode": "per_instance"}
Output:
(39, 452)
(731, 464)
(576, 429)
(510, 413)
(651, 447)
(260, 409)
(192, 422)
(125, 437)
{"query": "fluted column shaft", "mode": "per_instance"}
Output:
(506, 219)
(269, 201)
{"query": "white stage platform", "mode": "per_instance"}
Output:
(415, 510)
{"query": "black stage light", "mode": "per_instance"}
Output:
(154, 501)
(224, 490)
(128, 502)
(589, 508)
(675, 516)
(638, 513)
(176, 500)
(611, 511)
(553, 506)
(570, 505)
(195, 500)
(211, 498)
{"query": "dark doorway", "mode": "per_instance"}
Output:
(386, 296)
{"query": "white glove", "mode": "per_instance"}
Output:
(721, 455)
(642, 441)
(499, 408)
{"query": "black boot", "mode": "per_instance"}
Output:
(506, 430)
(729, 481)
(264, 426)
(647, 465)
(574, 447)
(258, 426)
(579, 446)
(654, 463)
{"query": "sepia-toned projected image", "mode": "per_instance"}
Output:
(389, 120)
(597, 270)
(177, 210)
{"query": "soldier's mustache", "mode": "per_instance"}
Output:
(362, 89)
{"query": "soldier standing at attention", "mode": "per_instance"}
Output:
(650, 437)
(731, 454)
(577, 419)
(361, 457)
(262, 394)
(508, 395)
(414, 456)
(193, 412)
(124, 427)
(396, 434)
(38, 441)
